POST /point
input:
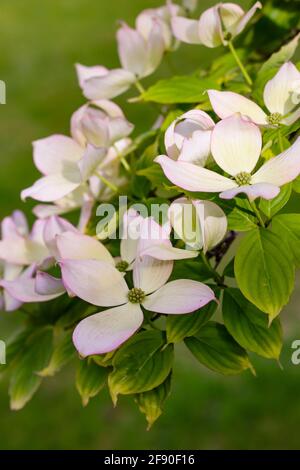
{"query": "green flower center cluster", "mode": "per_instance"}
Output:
(136, 295)
(274, 119)
(122, 266)
(243, 178)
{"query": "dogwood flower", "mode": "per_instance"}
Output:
(163, 15)
(100, 123)
(279, 98)
(101, 284)
(188, 137)
(201, 224)
(140, 52)
(236, 146)
(143, 236)
(19, 248)
(217, 25)
(65, 164)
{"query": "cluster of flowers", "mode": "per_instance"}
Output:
(86, 167)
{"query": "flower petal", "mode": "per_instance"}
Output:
(278, 92)
(196, 149)
(183, 217)
(53, 187)
(155, 48)
(74, 245)
(94, 281)
(227, 103)
(105, 331)
(186, 30)
(192, 177)
(246, 18)
(85, 72)
(149, 274)
(178, 297)
(253, 191)
(23, 289)
(210, 28)
(213, 223)
(113, 84)
(231, 14)
(45, 284)
(281, 169)
(166, 252)
(131, 231)
(132, 50)
(92, 157)
(52, 154)
(55, 226)
(236, 145)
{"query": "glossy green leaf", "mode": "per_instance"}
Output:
(63, 353)
(216, 349)
(264, 270)
(35, 357)
(271, 207)
(179, 327)
(241, 217)
(151, 403)
(181, 89)
(141, 364)
(90, 379)
(287, 227)
(249, 326)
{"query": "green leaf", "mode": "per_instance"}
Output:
(287, 227)
(90, 379)
(249, 326)
(182, 326)
(141, 364)
(151, 403)
(154, 174)
(216, 349)
(63, 353)
(193, 269)
(272, 65)
(264, 270)
(34, 358)
(271, 207)
(241, 217)
(14, 345)
(182, 89)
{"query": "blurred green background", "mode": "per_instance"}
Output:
(41, 41)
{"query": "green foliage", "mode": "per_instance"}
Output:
(271, 207)
(151, 403)
(63, 352)
(249, 326)
(182, 89)
(90, 379)
(264, 270)
(287, 228)
(141, 364)
(216, 349)
(33, 358)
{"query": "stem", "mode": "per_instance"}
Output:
(110, 185)
(240, 64)
(257, 213)
(215, 275)
(139, 87)
(280, 141)
(122, 159)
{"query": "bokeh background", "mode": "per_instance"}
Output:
(40, 42)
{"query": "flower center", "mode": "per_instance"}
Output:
(243, 178)
(136, 295)
(122, 266)
(274, 119)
